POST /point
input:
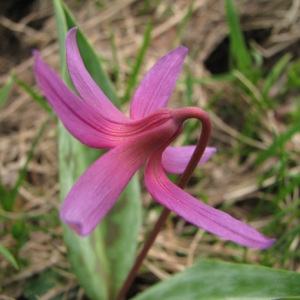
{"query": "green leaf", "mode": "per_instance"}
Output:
(102, 260)
(37, 286)
(86, 255)
(8, 255)
(91, 59)
(20, 233)
(4, 91)
(293, 73)
(238, 46)
(220, 280)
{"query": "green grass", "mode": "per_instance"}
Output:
(253, 110)
(250, 100)
(265, 134)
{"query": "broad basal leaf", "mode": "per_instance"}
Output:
(102, 260)
(219, 280)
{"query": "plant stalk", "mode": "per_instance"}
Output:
(183, 180)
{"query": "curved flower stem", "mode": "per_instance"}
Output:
(147, 245)
(183, 114)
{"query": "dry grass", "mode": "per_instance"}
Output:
(226, 181)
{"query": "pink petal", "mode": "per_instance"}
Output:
(154, 91)
(80, 119)
(198, 213)
(175, 159)
(99, 187)
(85, 85)
(97, 190)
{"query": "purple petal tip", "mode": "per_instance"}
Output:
(185, 50)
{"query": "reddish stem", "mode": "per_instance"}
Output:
(182, 114)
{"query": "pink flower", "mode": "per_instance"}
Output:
(142, 138)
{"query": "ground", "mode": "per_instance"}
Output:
(231, 180)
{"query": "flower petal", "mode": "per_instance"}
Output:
(175, 159)
(158, 84)
(99, 187)
(81, 120)
(85, 85)
(198, 213)
(97, 190)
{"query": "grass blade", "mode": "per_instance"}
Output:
(40, 100)
(8, 255)
(278, 144)
(138, 63)
(4, 91)
(275, 73)
(238, 47)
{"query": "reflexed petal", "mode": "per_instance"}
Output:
(198, 213)
(80, 119)
(97, 190)
(99, 187)
(86, 86)
(175, 159)
(157, 86)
